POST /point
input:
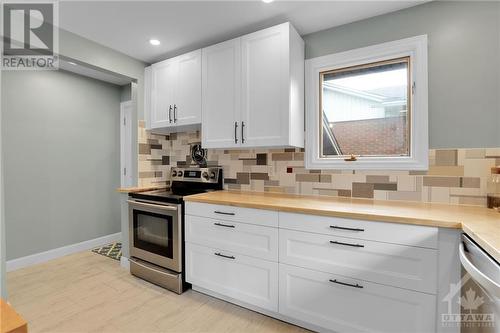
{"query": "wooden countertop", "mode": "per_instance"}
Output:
(481, 223)
(140, 189)
(10, 320)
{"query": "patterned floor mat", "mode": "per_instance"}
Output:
(113, 251)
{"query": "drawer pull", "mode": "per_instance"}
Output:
(224, 225)
(223, 213)
(345, 228)
(223, 255)
(347, 284)
(347, 244)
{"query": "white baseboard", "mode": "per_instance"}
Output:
(41, 257)
(125, 263)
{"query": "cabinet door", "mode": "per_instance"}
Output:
(221, 90)
(396, 265)
(265, 87)
(188, 90)
(322, 299)
(164, 76)
(243, 278)
(248, 239)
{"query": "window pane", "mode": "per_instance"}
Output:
(365, 110)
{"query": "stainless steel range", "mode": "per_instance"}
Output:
(156, 226)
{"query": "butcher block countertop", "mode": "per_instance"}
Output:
(140, 189)
(481, 223)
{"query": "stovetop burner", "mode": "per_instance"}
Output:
(186, 181)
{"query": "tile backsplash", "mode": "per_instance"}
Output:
(455, 176)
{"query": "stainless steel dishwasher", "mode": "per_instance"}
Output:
(480, 294)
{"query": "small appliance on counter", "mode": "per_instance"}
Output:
(156, 226)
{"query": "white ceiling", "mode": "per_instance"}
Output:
(183, 26)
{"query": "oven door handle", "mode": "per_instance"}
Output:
(148, 205)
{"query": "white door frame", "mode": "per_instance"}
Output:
(126, 144)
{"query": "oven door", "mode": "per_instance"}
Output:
(155, 233)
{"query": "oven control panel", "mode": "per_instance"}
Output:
(200, 175)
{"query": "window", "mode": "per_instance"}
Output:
(367, 108)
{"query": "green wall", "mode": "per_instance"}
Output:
(61, 150)
(464, 64)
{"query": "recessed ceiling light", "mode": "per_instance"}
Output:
(267, 1)
(71, 63)
(154, 42)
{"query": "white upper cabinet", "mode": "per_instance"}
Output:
(221, 94)
(175, 95)
(187, 102)
(163, 76)
(253, 90)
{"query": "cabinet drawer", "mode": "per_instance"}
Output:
(266, 218)
(405, 234)
(390, 264)
(252, 240)
(313, 297)
(244, 278)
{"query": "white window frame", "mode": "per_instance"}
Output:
(416, 49)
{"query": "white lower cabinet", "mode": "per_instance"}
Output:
(322, 299)
(390, 264)
(244, 278)
(328, 274)
(247, 239)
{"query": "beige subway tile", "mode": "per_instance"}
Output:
(274, 189)
(471, 182)
(460, 191)
(407, 183)
(243, 177)
(377, 179)
(379, 195)
(478, 168)
(328, 192)
(325, 178)
(282, 156)
(362, 190)
(344, 193)
(307, 177)
(492, 153)
(404, 195)
(446, 157)
(298, 156)
(440, 194)
(259, 175)
(446, 171)
(441, 181)
(470, 200)
(475, 153)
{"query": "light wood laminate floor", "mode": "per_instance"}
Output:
(87, 292)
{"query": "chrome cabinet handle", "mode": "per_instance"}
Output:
(346, 244)
(224, 225)
(346, 284)
(223, 213)
(175, 113)
(345, 228)
(242, 134)
(223, 255)
(170, 113)
(235, 132)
